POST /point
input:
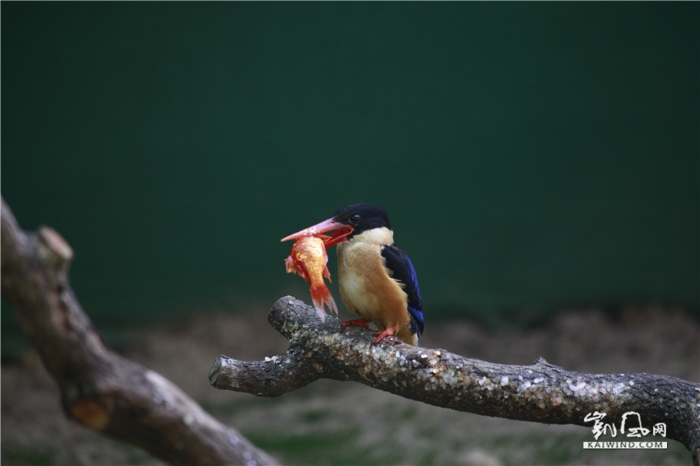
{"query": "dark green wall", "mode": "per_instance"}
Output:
(530, 155)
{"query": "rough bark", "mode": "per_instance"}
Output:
(100, 389)
(541, 392)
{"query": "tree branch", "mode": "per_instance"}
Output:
(100, 389)
(541, 392)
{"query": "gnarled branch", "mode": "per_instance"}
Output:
(541, 392)
(100, 389)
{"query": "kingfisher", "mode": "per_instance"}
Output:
(377, 280)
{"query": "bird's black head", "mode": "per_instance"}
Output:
(362, 217)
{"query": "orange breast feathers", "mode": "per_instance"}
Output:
(368, 290)
(309, 258)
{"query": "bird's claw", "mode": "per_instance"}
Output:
(384, 334)
(390, 340)
(356, 323)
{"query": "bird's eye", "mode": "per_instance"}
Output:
(354, 219)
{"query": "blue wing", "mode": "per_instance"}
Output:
(402, 270)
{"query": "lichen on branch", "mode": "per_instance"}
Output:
(540, 392)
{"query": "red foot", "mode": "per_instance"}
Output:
(356, 323)
(390, 332)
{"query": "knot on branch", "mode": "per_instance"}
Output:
(55, 251)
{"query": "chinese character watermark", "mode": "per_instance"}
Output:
(598, 427)
(631, 426)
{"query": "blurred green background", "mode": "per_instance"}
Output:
(530, 155)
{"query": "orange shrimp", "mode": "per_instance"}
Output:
(309, 258)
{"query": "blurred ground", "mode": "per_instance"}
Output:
(346, 423)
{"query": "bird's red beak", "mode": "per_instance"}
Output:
(327, 225)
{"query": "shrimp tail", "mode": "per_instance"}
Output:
(320, 295)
